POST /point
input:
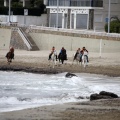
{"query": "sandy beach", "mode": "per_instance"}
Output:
(37, 62)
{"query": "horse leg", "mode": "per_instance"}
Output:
(86, 60)
(62, 61)
(8, 60)
(55, 62)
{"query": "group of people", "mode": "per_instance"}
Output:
(63, 53)
(81, 52)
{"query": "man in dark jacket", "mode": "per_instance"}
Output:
(62, 55)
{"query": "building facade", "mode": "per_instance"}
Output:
(80, 14)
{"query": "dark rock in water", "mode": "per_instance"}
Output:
(103, 95)
(108, 94)
(98, 96)
(69, 75)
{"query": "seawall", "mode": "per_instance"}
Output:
(45, 39)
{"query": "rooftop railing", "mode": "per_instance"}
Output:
(77, 3)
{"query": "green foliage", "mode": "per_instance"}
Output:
(20, 11)
(36, 3)
(16, 4)
(36, 9)
(1, 3)
(4, 10)
(114, 26)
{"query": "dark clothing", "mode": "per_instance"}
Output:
(10, 55)
(63, 54)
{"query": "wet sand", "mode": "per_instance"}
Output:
(37, 62)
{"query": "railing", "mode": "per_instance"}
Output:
(88, 32)
(26, 41)
(85, 32)
(78, 3)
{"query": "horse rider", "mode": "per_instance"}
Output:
(63, 53)
(10, 54)
(52, 51)
(84, 50)
(78, 52)
(12, 50)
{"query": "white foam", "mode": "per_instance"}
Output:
(19, 90)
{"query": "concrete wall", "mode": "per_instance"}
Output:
(33, 20)
(28, 20)
(5, 36)
(46, 41)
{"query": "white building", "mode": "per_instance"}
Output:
(80, 14)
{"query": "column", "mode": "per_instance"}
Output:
(5, 3)
(63, 19)
(23, 3)
(88, 20)
(70, 21)
(75, 20)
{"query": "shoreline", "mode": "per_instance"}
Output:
(37, 62)
(112, 71)
(108, 109)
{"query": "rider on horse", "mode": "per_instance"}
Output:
(62, 55)
(84, 50)
(78, 52)
(52, 51)
(10, 55)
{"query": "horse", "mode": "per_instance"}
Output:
(53, 59)
(81, 58)
(62, 57)
(78, 58)
(84, 59)
(9, 57)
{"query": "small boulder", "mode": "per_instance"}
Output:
(98, 96)
(108, 94)
(70, 75)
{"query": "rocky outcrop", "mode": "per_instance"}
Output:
(103, 95)
(70, 75)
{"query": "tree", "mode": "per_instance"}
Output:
(1, 3)
(114, 25)
(16, 3)
(36, 3)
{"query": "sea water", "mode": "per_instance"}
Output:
(20, 90)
